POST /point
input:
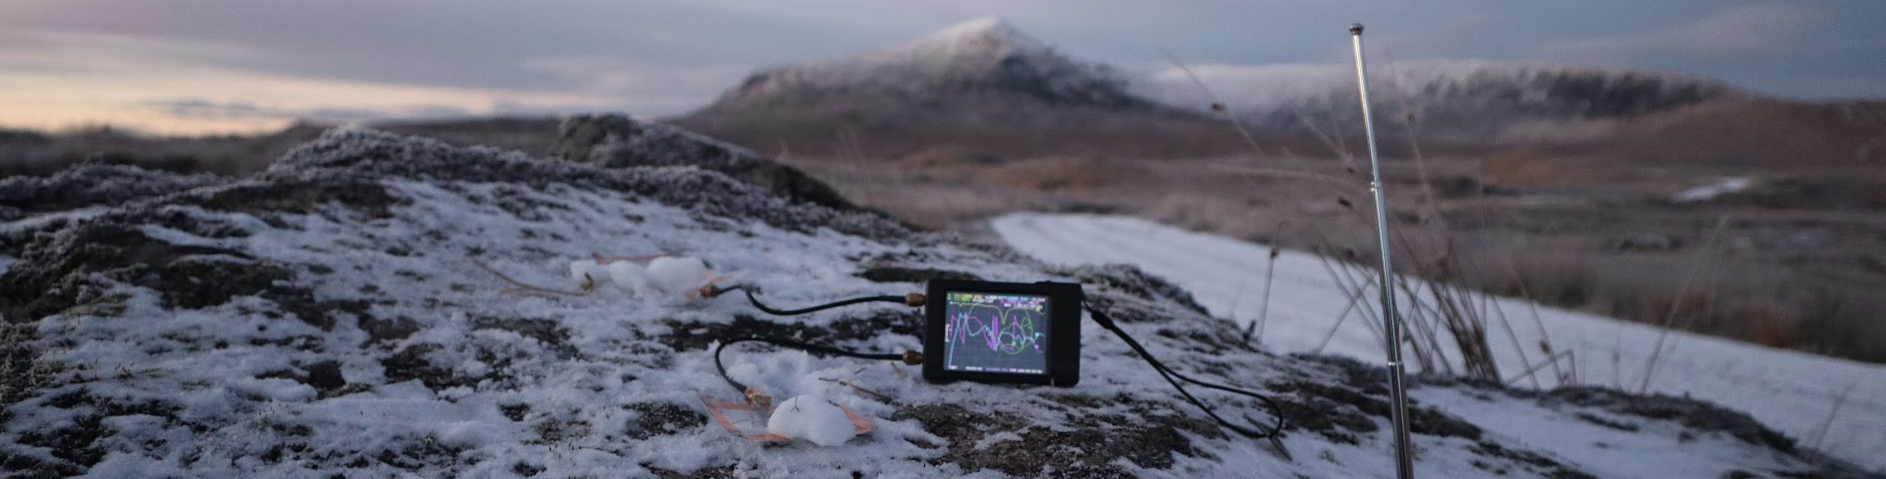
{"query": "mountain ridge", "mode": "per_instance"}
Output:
(985, 85)
(986, 54)
(982, 85)
(1474, 97)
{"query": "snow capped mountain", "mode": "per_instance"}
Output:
(986, 54)
(981, 85)
(1467, 96)
(984, 84)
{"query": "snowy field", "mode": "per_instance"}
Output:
(1793, 392)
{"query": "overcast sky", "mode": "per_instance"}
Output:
(248, 65)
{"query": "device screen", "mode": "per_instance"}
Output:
(996, 333)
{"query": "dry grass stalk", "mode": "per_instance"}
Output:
(520, 287)
(1676, 305)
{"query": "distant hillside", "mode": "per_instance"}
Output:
(985, 55)
(29, 153)
(1755, 131)
(984, 85)
(1447, 99)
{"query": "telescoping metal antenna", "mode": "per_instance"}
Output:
(1397, 389)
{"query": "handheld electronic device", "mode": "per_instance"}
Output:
(982, 331)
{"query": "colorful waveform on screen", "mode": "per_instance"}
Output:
(1000, 333)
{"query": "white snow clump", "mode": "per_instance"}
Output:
(664, 276)
(811, 418)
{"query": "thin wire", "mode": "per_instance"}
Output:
(787, 343)
(794, 312)
(1274, 433)
(519, 287)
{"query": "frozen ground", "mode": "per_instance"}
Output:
(334, 316)
(1790, 391)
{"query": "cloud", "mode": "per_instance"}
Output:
(1748, 30)
(477, 45)
(189, 97)
(29, 49)
(639, 82)
(208, 109)
(57, 78)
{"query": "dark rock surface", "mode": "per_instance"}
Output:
(89, 185)
(617, 141)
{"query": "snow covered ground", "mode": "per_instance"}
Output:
(1790, 391)
(334, 316)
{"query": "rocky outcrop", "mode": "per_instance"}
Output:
(348, 312)
(617, 141)
(88, 185)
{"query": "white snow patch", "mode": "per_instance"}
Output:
(1629, 447)
(1713, 190)
(677, 275)
(42, 220)
(997, 438)
(811, 418)
(664, 276)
